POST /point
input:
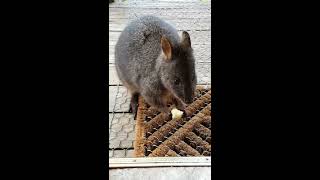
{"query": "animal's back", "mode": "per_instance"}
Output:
(138, 48)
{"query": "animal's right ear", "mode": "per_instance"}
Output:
(186, 42)
(166, 48)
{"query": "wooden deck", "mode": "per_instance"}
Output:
(193, 16)
(157, 168)
(163, 173)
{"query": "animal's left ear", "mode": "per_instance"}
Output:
(186, 42)
(166, 48)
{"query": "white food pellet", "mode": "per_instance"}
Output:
(176, 114)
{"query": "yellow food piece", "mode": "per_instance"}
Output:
(176, 114)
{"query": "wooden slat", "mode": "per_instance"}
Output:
(185, 26)
(163, 173)
(163, 11)
(182, 21)
(171, 4)
(159, 162)
(152, 6)
(197, 37)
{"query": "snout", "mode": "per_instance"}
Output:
(189, 99)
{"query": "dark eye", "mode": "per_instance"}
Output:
(177, 81)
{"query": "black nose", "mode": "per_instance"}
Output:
(189, 101)
(189, 98)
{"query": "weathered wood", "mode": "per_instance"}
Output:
(159, 162)
(157, 4)
(197, 37)
(113, 76)
(121, 153)
(196, 12)
(182, 26)
(161, 173)
(183, 19)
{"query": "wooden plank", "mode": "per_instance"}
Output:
(203, 71)
(182, 19)
(197, 37)
(118, 20)
(113, 76)
(174, 4)
(123, 153)
(200, 25)
(113, 36)
(112, 44)
(159, 162)
(188, 12)
(187, 18)
(179, 21)
(161, 173)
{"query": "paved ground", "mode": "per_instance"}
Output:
(193, 16)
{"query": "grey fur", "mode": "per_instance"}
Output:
(141, 66)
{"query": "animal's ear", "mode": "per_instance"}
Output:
(166, 48)
(186, 42)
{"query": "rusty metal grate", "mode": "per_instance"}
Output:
(158, 135)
